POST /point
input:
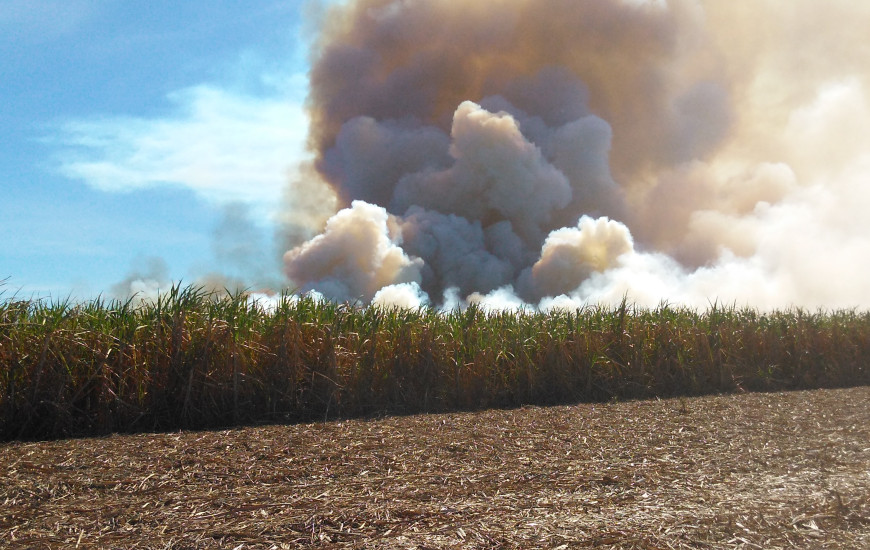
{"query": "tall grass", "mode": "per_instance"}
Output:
(198, 360)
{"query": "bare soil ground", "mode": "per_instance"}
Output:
(785, 470)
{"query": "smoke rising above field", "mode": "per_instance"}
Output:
(561, 152)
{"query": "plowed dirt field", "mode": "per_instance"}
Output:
(783, 470)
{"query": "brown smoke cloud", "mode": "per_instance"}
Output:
(559, 152)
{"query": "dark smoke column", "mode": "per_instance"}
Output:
(460, 135)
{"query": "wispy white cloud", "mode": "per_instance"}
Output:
(225, 145)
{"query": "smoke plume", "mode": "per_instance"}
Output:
(554, 153)
(148, 277)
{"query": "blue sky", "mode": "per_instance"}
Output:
(132, 130)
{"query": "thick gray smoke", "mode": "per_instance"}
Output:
(561, 152)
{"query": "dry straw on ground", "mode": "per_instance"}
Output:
(785, 470)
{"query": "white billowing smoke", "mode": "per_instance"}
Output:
(402, 295)
(355, 256)
(554, 153)
(570, 256)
